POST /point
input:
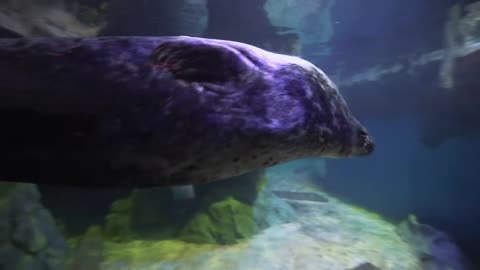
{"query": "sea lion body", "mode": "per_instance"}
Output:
(143, 111)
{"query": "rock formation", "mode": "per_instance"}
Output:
(29, 237)
(325, 234)
(235, 209)
(309, 19)
(434, 248)
(29, 18)
(220, 213)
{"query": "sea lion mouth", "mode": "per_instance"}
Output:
(365, 145)
(369, 146)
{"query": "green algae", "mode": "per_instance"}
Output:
(144, 252)
(223, 222)
(144, 214)
(118, 223)
(5, 188)
(129, 252)
(226, 211)
(224, 215)
(87, 251)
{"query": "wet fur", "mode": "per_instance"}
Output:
(142, 111)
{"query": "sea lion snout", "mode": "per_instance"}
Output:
(364, 143)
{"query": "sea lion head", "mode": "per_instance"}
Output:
(269, 106)
(335, 131)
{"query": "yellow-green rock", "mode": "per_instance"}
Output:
(118, 223)
(223, 222)
(88, 251)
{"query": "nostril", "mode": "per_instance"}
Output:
(363, 143)
(363, 133)
(369, 146)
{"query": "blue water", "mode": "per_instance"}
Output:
(439, 185)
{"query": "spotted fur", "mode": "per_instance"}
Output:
(144, 111)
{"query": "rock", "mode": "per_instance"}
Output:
(300, 196)
(148, 213)
(310, 19)
(225, 210)
(470, 23)
(434, 248)
(224, 222)
(157, 212)
(27, 233)
(365, 266)
(90, 13)
(271, 211)
(331, 235)
(30, 18)
(235, 209)
(118, 223)
(29, 238)
(88, 252)
(220, 212)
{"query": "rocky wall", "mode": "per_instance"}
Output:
(29, 18)
(29, 237)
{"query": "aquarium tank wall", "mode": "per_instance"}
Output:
(254, 134)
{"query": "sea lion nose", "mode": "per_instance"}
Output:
(369, 145)
(365, 144)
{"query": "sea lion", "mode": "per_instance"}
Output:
(145, 111)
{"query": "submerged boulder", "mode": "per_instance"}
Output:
(470, 23)
(235, 209)
(223, 222)
(29, 237)
(146, 214)
(155, 212)
(87, 253)
(118, 222)
(309, 19)
(365, 266)
(434, 248)
(221, 212)
(30, 18)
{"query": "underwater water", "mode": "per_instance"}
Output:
(109, 157)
